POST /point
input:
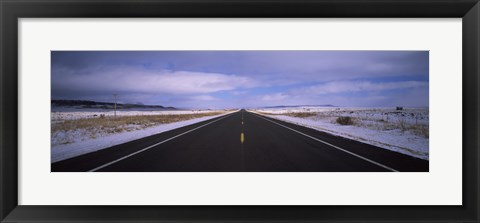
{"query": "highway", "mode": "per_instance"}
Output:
(243, 142)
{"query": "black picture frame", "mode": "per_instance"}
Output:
(11, 11)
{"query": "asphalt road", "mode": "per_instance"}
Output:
(243, 142)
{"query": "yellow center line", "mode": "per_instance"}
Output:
(242, 137)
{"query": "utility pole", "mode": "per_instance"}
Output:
(115, 106)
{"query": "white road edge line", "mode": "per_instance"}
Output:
(336, 147)
(156, 144)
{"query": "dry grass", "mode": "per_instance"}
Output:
(301, 114)
(344, 120)
(123, 123)
(402, 125)
(292, 114)
(420, 130)
(417, 129)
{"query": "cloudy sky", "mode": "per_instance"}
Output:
(224, 79)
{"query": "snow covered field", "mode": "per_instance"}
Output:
(70, 141)
(405, 131)
(76, 114)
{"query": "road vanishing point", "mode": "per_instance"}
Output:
(243, 141)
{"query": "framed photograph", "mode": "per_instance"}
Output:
(239, 111)
(176, 111)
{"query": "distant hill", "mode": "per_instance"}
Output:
(82, 104)
(297, 106)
